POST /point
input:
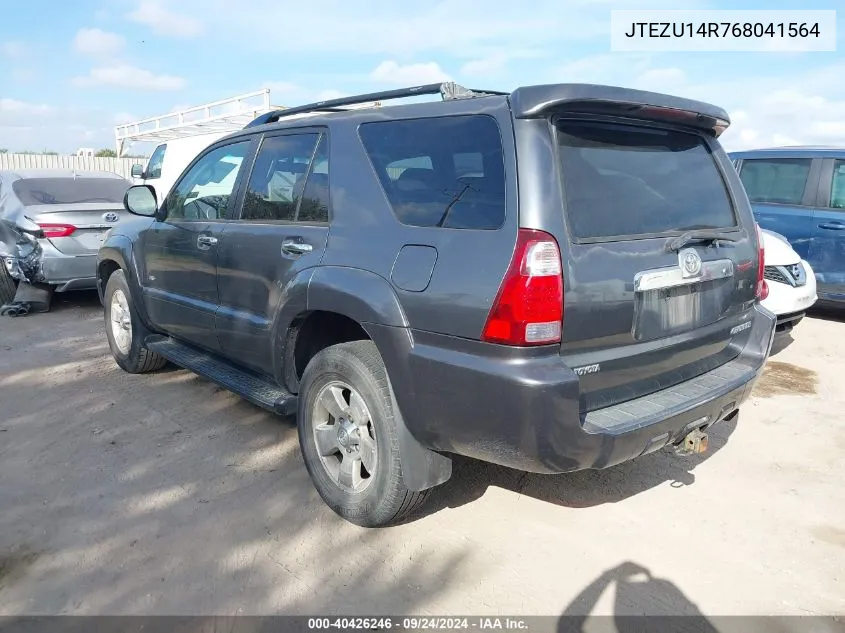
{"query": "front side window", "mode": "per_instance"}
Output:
(837, 192)
(445, 172)
(775, 180)
(626, 180)
(279, 184)
(204, 192)
(156, 161)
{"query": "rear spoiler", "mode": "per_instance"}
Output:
(532, 102)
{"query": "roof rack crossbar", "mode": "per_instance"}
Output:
(447, 90)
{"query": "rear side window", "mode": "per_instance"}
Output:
(622, 180)
(34, 191)
(777, 180)
(443, 172)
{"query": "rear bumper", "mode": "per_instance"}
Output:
(525, 413)
(67, 272)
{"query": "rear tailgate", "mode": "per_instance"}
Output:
(643, 309)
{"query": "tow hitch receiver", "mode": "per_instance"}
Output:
(694, 443)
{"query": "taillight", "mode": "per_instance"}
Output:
(528, 309)
(762, 286)
(57, 230)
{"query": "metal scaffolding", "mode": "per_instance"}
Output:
(226, 115)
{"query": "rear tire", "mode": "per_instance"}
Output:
(347, 433)
(124, 329)
(8, 287)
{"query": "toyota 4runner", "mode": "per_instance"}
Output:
(558, 278)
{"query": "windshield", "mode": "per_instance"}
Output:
(622, 180)
(35, 191)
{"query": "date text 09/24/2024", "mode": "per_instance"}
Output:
(418, 623)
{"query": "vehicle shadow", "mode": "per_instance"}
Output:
(637, 593)
(827, 312)
(781, 342)
(583, 489)
(74, 299)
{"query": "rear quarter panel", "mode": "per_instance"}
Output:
(470, 264)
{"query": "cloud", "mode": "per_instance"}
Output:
(469, 29)
(485, 66)
(287, 93)
(37, 126)
(660, 79)
(412, 74)
(283, 89)
(16, 114)
(786, 117)
(609, 68)
(172, 24)
(98, 43)
(14, 106)
(496, 61)
(125, 76)
(124, 117)
(12, 49)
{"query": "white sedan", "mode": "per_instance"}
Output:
(790, 280)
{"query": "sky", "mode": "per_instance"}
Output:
(69, 72)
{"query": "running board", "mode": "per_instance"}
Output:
(257, 390)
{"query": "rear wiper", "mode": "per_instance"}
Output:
(697, 237)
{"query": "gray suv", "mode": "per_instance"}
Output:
(559, 278)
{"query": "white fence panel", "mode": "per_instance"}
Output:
(122, 166)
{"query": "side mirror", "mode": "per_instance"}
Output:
(137, 171)
(141, 200)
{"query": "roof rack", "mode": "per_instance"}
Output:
(448, 90)
(226, 115)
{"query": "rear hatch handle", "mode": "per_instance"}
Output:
(697, 237)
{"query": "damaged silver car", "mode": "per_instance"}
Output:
(51, 224)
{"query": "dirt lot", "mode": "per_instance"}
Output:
(164, 494)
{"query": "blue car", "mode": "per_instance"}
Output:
(799, 192)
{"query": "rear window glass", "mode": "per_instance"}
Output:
(778, 180)
(440, 172)
(34, 191)
(621, 180)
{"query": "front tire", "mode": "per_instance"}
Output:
(124, 329)
(347, 433)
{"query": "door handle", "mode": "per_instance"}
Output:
(832, 226)
(204, 242)
(296, 247)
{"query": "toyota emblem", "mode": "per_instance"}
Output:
(111, 217)
(690, 263)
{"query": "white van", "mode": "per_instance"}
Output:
(170, 159)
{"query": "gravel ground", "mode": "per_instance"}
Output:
(164, 494)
